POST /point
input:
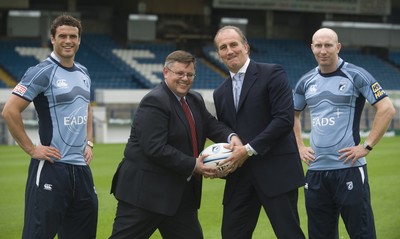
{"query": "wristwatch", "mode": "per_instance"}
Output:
(366, 146)
(90, 144)
(249, 151)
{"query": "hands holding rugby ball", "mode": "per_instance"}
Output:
(220, 159)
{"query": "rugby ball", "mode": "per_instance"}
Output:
(216, 153)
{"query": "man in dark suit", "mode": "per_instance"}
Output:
(267, 170)
(158, 182)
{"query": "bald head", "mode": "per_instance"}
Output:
(326, 33)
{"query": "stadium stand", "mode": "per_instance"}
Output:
(144, 61)
(293, 55)
(386, 74)
(102, 46)
(297, 59)
(16, 61)
(139, 65)
(394, 57)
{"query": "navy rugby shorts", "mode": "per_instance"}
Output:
(60, 199)
(333, 193)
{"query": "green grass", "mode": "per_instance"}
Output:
(383, 166)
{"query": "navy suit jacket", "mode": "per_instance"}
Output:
(158, 157)
(264, 119)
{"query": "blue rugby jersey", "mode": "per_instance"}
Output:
(336, 101)
(61, 97)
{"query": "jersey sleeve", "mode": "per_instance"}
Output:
(369, 86)
(299, 99)
(34, 82)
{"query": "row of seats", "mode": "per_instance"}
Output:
(12, 61)
(139, 65)
(297, 59)
(394, 56)
(386, 74)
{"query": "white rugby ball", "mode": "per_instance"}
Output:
(216, 153)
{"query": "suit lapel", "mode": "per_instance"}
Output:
(176, 105)
(229, 89)
(249, 79)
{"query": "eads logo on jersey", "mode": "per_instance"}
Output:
(378, 91)
(76, 119)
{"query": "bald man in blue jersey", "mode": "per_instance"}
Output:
(60, 196)
(337, 181)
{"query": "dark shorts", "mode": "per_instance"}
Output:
(60, 199)
(334, 193)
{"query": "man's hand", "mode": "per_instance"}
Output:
(48, 153)
(353, 154)
(237, 159)
(88, 155)
(307, 155)
(206, 171)
(235, 141)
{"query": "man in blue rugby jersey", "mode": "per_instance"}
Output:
(60, 196)
(337, 181)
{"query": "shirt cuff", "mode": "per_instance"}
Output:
(251, 148)
(230, 136)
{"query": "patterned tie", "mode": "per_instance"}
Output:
(192, 126)
(236, 89)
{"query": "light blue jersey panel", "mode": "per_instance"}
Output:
(61, 97)
(336, 101)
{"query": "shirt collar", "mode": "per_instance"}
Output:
(243, 69)
(340, 61)
(177, 97)
(55, 57)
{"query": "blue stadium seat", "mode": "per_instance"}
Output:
(394, 56)
(14, 63)
(297, 59)
(139, 65)
(387, 75)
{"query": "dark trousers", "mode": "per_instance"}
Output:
(136, 223)
(241, 212)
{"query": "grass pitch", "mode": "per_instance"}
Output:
(383, 169)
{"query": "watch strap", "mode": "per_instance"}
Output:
(90, 144)
(366, 146)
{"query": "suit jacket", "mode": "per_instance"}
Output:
(158, 158)
(265, 119)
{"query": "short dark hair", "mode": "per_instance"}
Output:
(181, 57)
(67, 20)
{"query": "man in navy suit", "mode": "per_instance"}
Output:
(158, 182)
(267, 170)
